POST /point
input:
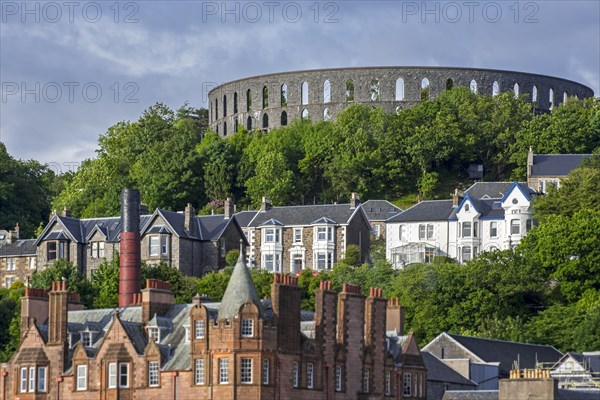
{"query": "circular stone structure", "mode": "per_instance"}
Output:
(270, 101)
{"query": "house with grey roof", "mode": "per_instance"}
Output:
(486, 361)
(488, 216)
(548, 169)
(578, 371)
(441, 378)
(379, 211)
(289, 239)
(17, 261)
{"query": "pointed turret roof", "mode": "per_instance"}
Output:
(240, 290)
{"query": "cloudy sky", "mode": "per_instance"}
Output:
(71, 69)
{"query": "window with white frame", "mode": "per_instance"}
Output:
(154, 334)
(23, 380)
(153, 246)
(9, 280)
(265, 371)
(27, 379)
(494, 229)
(310, 377)
(32, 379)
(199, 371)
(199, 329)
(324, 233)
(124, 375)
(402, 233)
(81, 377)
(98, 249)
(223, 370)
(41, 379)
(528, 225)
(87, 338)
(515, 227)
(365, 380)
(422, 231)
(164, 245)
(153, 373)
(297, 235)
(246, 370)
(32, 262)
(466, 230)
(272, 235)
(51, 251)
(10, 264)
(377, 230)
(429, 231)
(112, 375)
(475, 229)
(247, 327)
(388, 383)
(295, 373)
(406, 385)
(466, 253)
(338, 378)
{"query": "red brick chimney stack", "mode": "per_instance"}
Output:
(130, 259)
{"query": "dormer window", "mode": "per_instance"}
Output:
(154, 334)
(199, 329)
(247, 328)
(87, 338)
(187, 334)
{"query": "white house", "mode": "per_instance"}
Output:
(490, 216)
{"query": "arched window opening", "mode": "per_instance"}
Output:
(349, 90)
(235, 108)
(235, 125)
(265, 97)
(326, 91)
(216, 108)
(249, 123)
(495, 89)
(284, 95)
(424, 89)
(249, 100)
(516, 89)
(265, 122)
(565, 97)
(375, 89)
(473, 86)
(224, 105)
(224, 128)
(326, 114)
(551, 98)
(283, 118)
(304, 93)
(399, 89)
(305, 113)
(449, 84)
(398, 110)
(217, 129)
(534, 94)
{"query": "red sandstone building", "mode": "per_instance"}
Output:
(240, 348)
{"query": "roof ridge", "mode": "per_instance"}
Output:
(503, 341)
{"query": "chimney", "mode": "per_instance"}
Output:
(529, 162)
(157, 299)
(266, 204)
(190, 220)
(354, 201)
(285, 300)
(229, 208)
(130, 261)
(17, 231)
(66, 212)
(58, 306)
(394, 317)
(456, 198)
(34, 305)
(9, 237)
(143, 209)
(52, 214)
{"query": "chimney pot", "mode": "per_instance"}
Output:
(66, 212)
(354, 200)
(266, 204)
(229, 208)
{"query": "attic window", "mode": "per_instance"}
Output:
(187, 334)
(466, 207)
(515, 200)
(154, 334)
(87, 338)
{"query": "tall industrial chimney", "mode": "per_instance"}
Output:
(130, 261)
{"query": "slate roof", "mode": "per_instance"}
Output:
(439, 372)
(428, 210)
(305, 215)
(506, 353)
(380, 210)
(240, 290)
(245, 217)
(555, 164)
(569, 394)
(487, 208)
(495, 190)
(18, 248)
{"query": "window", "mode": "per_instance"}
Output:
(272, 235)
(248, 101)
(449, 84)
(164, 249)
(399, 89)
(223, 370)
(326, 114)
(41, 384)
(32, 379)
(475, 229)
(268, 262)
(295, 372)
(466, 253)
(534, 94)
(235, 107)
(23, 380)
(406, 383)
(32, 263)
(112, 375)
(153, 373)
(338, 378)
(224, 105)
(426, 231)
(199, 329)
(297, 263)
(466, 230)
(349, 90)
(199, 371)
(10, 264)
(265, 372)
(63, 250)
(429, 231)
(324, 233)
(473, 86)
(51, 251)
(81, 377)
(265, 97)
(425, 89)
(402, 233)
(321, 260)
(153, 245)
(493, 229)
(154, 334)
(249, 123)
(297, 235)
(515, 227)
(495, 89)
(388, 383)
(187, 333)
(310, 378)
(365, 380)
(304, 114)
(235, 125)
(551, 98)
(377, 230)
(284, 97)
(86, 339)
(304, 93)
(217, 109)
(283, 118)
(375, 89)
(466, 206)
(528, 225)
(247, 327)
(246, 370)
(326, 91)
(422, 231)
(9, 280)
(516, 89)
(124, 375)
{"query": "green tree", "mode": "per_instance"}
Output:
(105, 282)
(10, 315)
(65, 270)
(352, 255)
(273, 179)
(184, 287)
(231, 257)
